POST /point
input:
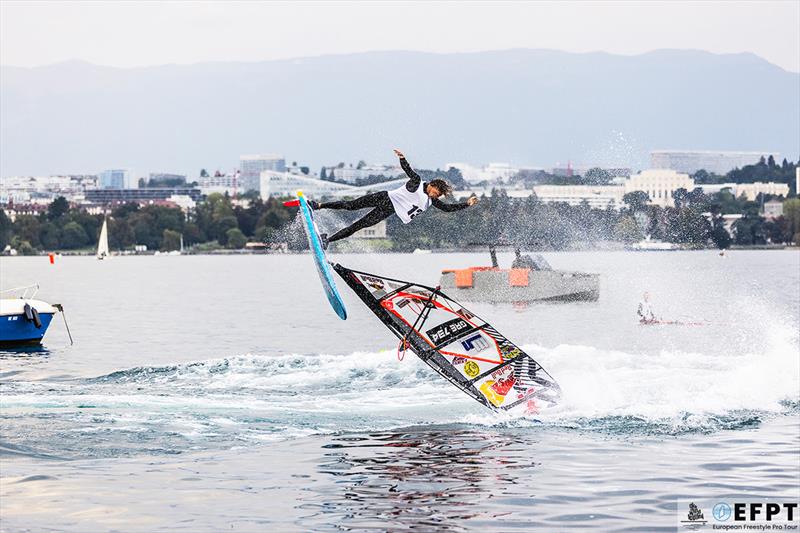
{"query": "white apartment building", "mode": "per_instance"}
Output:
(282, 184)
(599, 196)
(229, 183)
(44, 189)
(659, 184)
(353, 174)
(493, 172)
(714, 161)
(378, 231)
(749, 190)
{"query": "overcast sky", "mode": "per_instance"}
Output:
(128, 34)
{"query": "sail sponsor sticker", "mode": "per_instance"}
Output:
(472, 369)
(448, 331)
(475, 343)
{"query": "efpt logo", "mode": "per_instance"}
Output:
(773, 515)
(721, 512)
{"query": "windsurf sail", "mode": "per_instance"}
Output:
(463, 348)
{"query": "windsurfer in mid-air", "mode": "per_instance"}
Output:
(406, 202)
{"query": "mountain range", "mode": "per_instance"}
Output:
(532, 108)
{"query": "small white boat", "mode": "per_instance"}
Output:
(651, 245)
(102, 243)
(23, 320)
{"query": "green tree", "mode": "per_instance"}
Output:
(719, 235)
(26, 227)
(636, 200)
(57, 208)
(627, 230)
(6, 229)
(22, 246)
(597, 176)
(791, 211)
(73, 236)
(221, 228)
(49, 235)
(235, 238)
(170, 240)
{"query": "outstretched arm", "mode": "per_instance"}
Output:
(449, 208)
(413, 178)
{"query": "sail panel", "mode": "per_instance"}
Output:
(459, 345)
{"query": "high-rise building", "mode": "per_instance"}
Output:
(715, 162)
(251, 167)
(119, 178)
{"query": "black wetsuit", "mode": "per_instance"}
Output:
(381, 204)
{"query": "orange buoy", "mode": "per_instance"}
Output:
(52, 258)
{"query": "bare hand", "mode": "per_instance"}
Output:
(472, 200)
(399, 153)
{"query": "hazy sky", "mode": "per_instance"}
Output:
(126, 34)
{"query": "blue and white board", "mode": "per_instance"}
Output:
(320, 259)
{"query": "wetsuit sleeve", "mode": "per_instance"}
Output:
(438, 204)
(413, 178)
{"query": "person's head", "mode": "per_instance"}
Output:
(437, 188)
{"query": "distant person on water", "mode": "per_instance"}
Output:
(645, 311)
(406, 202)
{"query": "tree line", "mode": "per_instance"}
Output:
(695, 221)
(216, 222)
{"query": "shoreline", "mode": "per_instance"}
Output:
(621, 248)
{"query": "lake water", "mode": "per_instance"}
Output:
(209, 393)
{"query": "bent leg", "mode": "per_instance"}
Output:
(370, 219)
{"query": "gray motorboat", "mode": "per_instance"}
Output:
(530, 279)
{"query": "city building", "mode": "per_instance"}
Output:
(355, 192)
(378, 231)
(353, 174)
(773, 209)
(493, 172)
(750, 191)
(659, 184)
(712, 161)
(161, 176)
(149, 195)
(600, 196)
(119, 178)
(251, 167)
(14, 210)
(283, 184)
(44, 189)
(230, 184)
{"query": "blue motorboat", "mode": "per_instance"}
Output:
(24, 320)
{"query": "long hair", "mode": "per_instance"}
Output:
(442, 185)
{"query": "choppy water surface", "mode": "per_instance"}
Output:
(221, 392)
